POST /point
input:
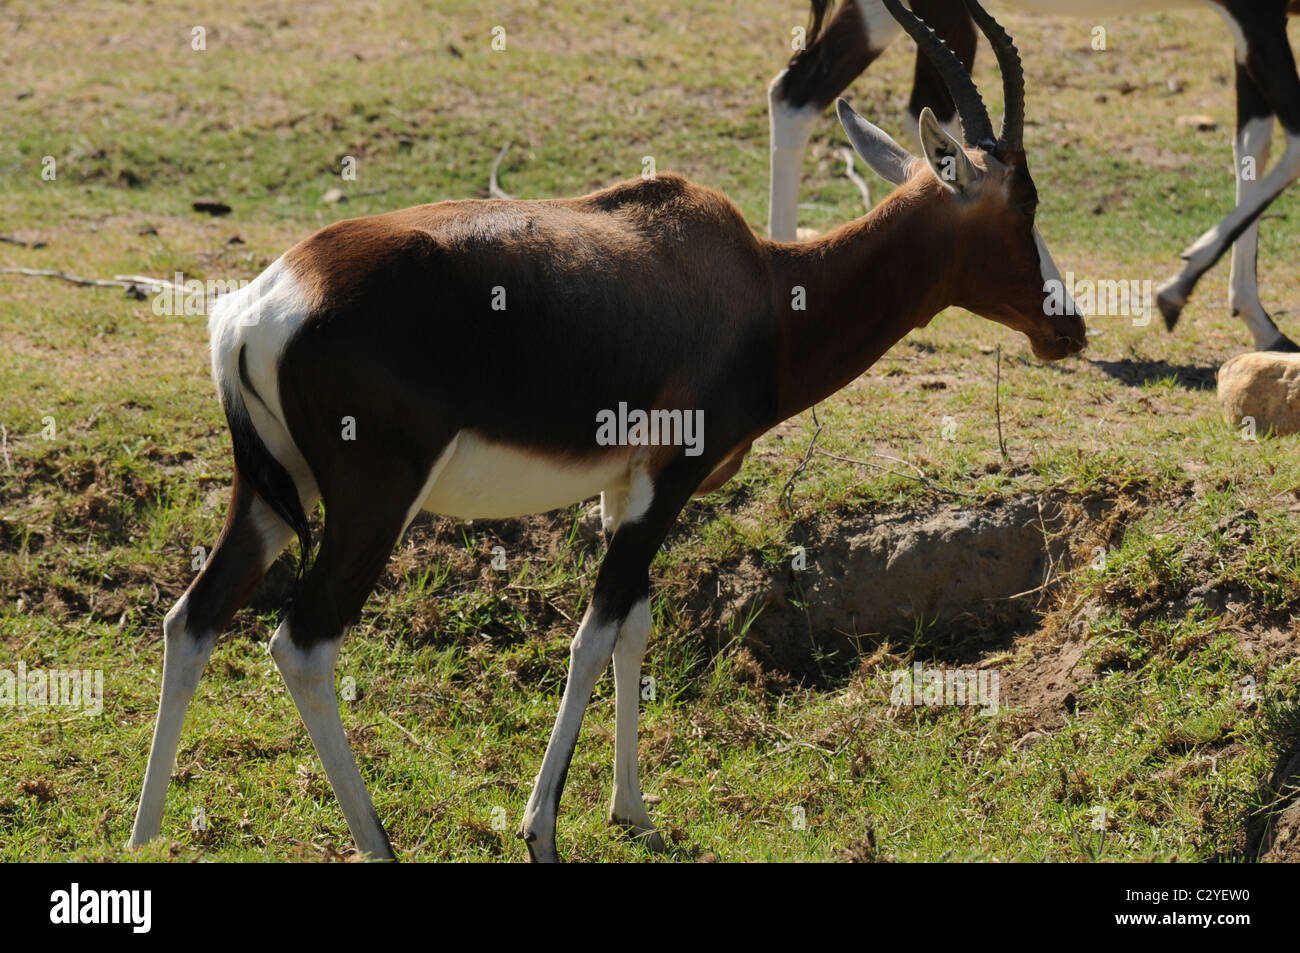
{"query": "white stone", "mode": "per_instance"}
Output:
(1264, 385)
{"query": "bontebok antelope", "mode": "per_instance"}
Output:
(652, 297)
(1267, 87)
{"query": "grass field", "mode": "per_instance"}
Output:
(1179, 654)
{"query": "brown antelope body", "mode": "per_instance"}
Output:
(465, 357)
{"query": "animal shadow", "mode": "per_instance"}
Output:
(1141, 373)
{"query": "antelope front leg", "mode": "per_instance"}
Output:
(1250, 150)
(588, 655)
(1172, 296)
(627, 807)
(790, 129)
(800, 93)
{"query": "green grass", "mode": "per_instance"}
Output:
(458, 667)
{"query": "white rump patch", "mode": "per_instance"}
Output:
(261, 318)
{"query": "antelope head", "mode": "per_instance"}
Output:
(981, 193)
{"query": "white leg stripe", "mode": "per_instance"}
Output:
(310, 677)
(791, 129)
(627, 805)
(1251, 148)
(183, 659)
(588, 656)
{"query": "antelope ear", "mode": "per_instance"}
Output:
(882, 154)
(946, 156)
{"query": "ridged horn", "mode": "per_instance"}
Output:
(975, 124)
(1013, 76)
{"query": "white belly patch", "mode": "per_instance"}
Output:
(483, 479)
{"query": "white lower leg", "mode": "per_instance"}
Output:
(1202, 255)
(613, 507)
(627, 805)
(310, 676)
(1250, 150)
(791, 128)
(184, 656)
(588, 656)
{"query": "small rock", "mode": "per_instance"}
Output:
(1265, 386)
(333, 196)
(1199, 123)
(1029, 741)
(148, 230)
(211, 206)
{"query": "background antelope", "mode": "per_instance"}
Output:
(653, 293)
(1267, 88)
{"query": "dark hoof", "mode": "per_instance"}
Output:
(1283, 343)
(646, 836)
(538, 853)
(1171, 305)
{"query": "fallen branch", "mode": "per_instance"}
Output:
(411, 735)
(919, 479)
(494, 186)
(157, 283)
(1058, 577)
(856, 179)
(788, 489)
(75, 279)
(22, 242)
(129, 282)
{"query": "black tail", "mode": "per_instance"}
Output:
(255, 463)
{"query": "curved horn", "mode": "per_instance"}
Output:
(1013, 76)
(975, 124)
